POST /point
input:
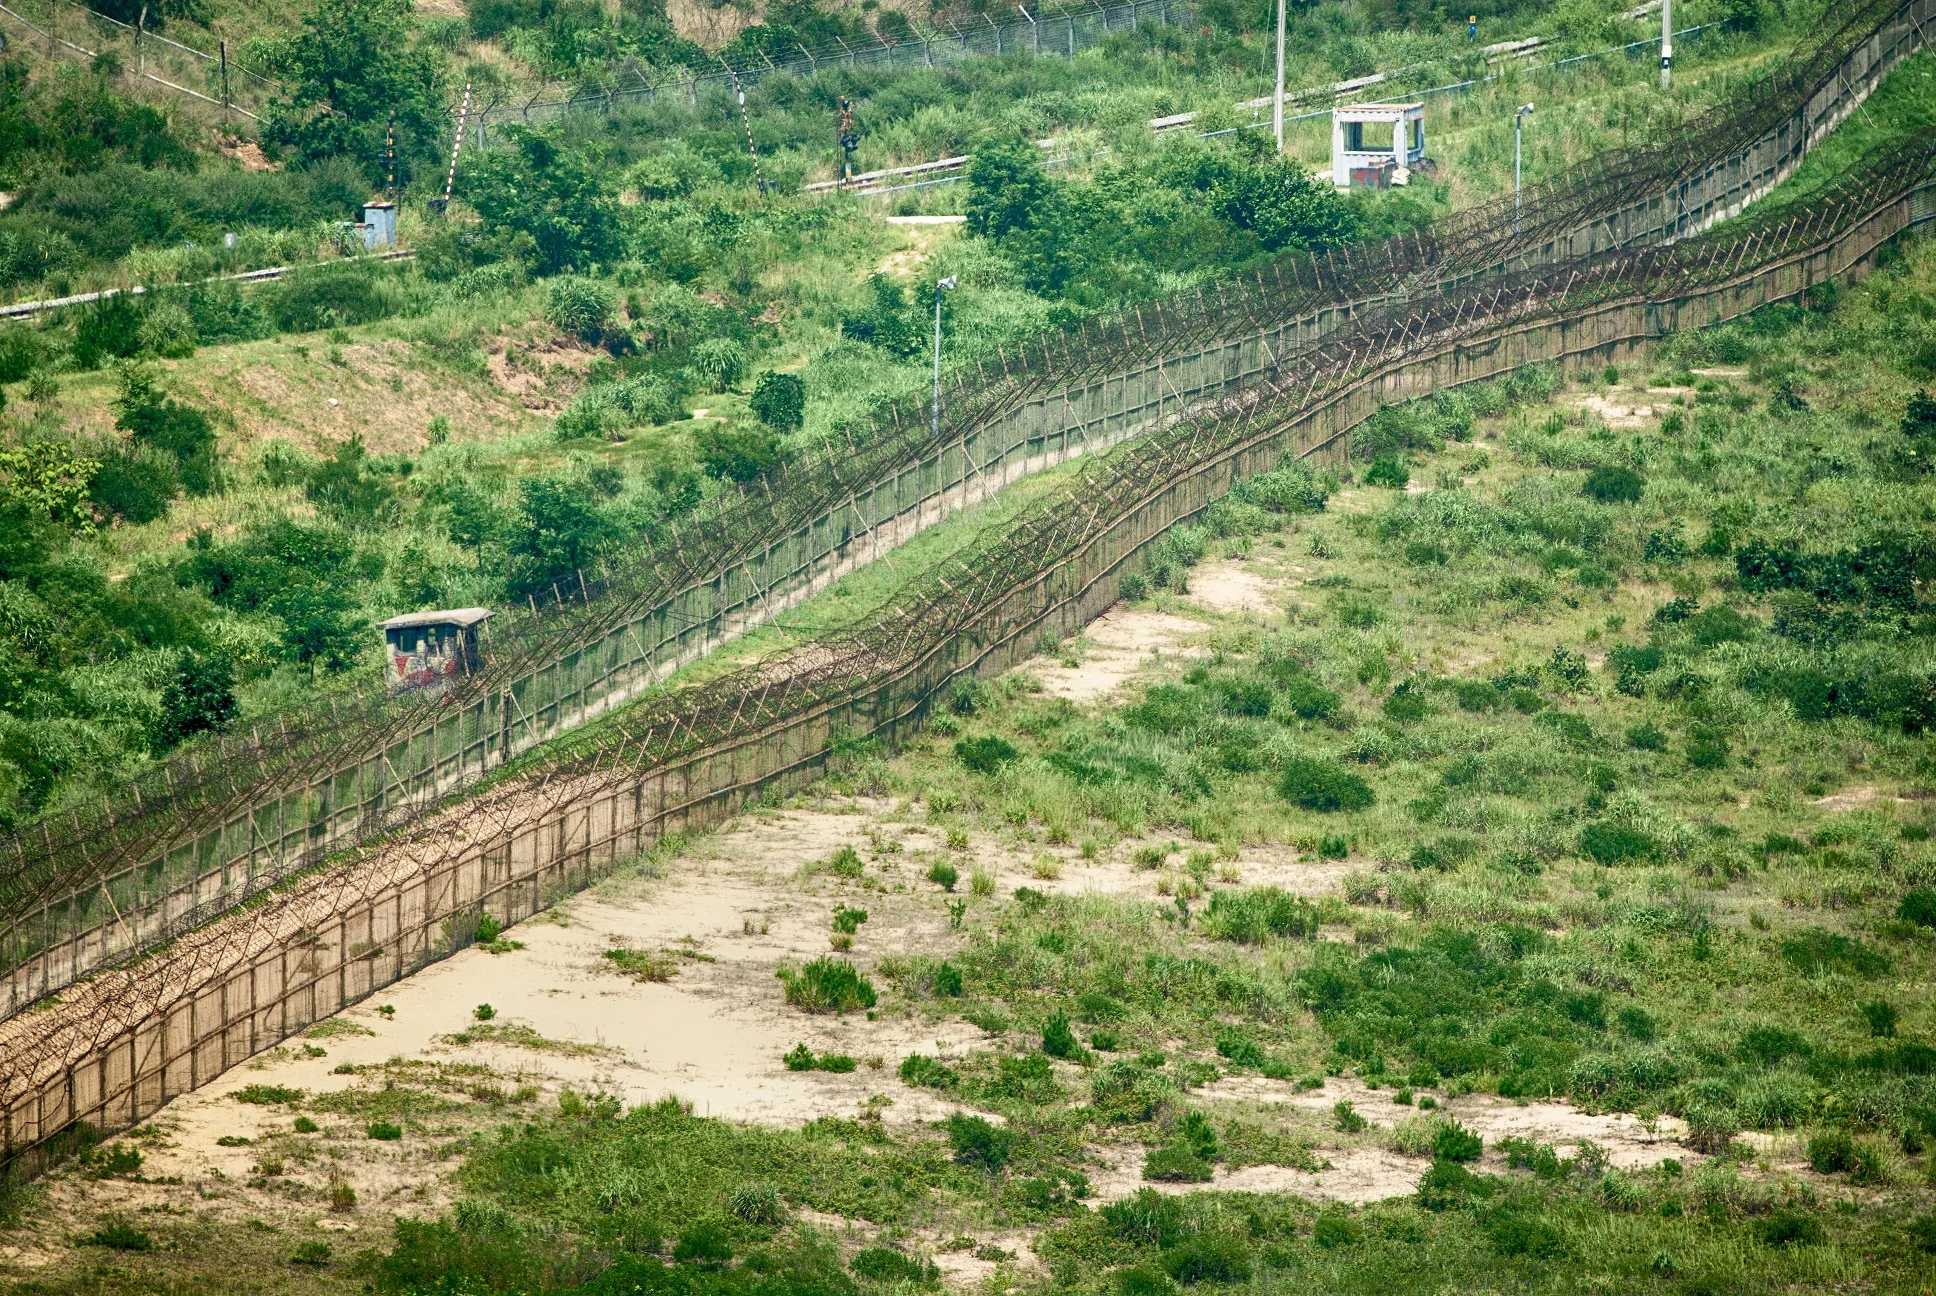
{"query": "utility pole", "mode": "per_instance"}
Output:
(1519, 121)
(1666, 44)
(225, 82)
(941, 286)
(1277, 99)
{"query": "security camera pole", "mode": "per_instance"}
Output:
(1277, 99)
(1519, 121)
(941, 286)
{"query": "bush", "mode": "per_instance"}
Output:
(828, 985)
(1918, 905)
(927, 1072)
(1323, 786)
(1613, 485)
(758, 1204)
(579, 306)
(719, 364)
(1335, 1229)
(263, 1095)
(1059, 1041)
(978, 1143)
(313, 1254)
(1831, 1152)
(1616, 843)
(703, 1242)
(1523, 1232)
(1389, 472)
(1454, 1142)
(1254, 916)
(199, 699)
(1787, 1226)
(1178, 1163)
(779, 400)
(385, 1131)
(884, 1264)
(1345, 1117)
(944, 875)
(947, 980)
(845, 862)
(1209, 1257)
(799, 1058)
(730, 452)
(116, 1235)
(134, 483)
(985, 755)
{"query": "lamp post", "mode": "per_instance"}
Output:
(1277, 99)
(1666, 44)
(1519, 121)
(941, 286)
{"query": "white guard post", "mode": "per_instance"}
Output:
(1376, 145)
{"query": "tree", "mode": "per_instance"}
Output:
(179, 431)
(354, 63)
(780, 400)
(1286, 206)
(559, 534)
(199, 699)
(1007, 187)
(319, 625)
(343, 486)
(737, 454)
(561, 196)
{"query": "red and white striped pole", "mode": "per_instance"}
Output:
(463, 114)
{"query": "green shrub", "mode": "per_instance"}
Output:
(1239, 1048)
(947, 980)
(264, 1095)
(1389, 472)
(579, 306)
(117, 1235)
(704, 1242)
(845, 862)
(1881, 1017)
(758, 1204)
(1814, 952)
(1178, 1163)
(730, 452)
(1613, 485)
(1522, 1231)
(978, 1143)
(928, 1072)
(1141, 1280)
(799, 1058)
(313, 1254)
(847, 920)
(884, 1264)
(1254, 916)
(1345, 1118)
(828, 985)
(1323, 786)
(1209, 1257)
(1454, 1142)
(1058, 1040)
(1609, 843)
(986, 754)
(719, 364)
(944, 875)
(304, 1125)
(1787, 1226)
(1918, 905)
(779, 400)
(1335, 1229)
(1831, 1152)
(385, 1131)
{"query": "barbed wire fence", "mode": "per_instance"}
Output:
(122, 1045)
(216, 78)
(223, 821)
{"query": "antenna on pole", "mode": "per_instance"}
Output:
(390, 158)
(1666, 44)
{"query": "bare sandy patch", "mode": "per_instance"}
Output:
(1115, 646)
(1860, 798)
(1618, 408)
(1228, 585)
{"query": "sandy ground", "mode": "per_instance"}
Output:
(742, 903)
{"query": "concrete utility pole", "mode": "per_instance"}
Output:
(1519, 121)
(1666, 44)
(1277, 99)
(941, 286)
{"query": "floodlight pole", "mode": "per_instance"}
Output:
(1666, 44)
(941, 286)
(1519, 121)
(1277, 98)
